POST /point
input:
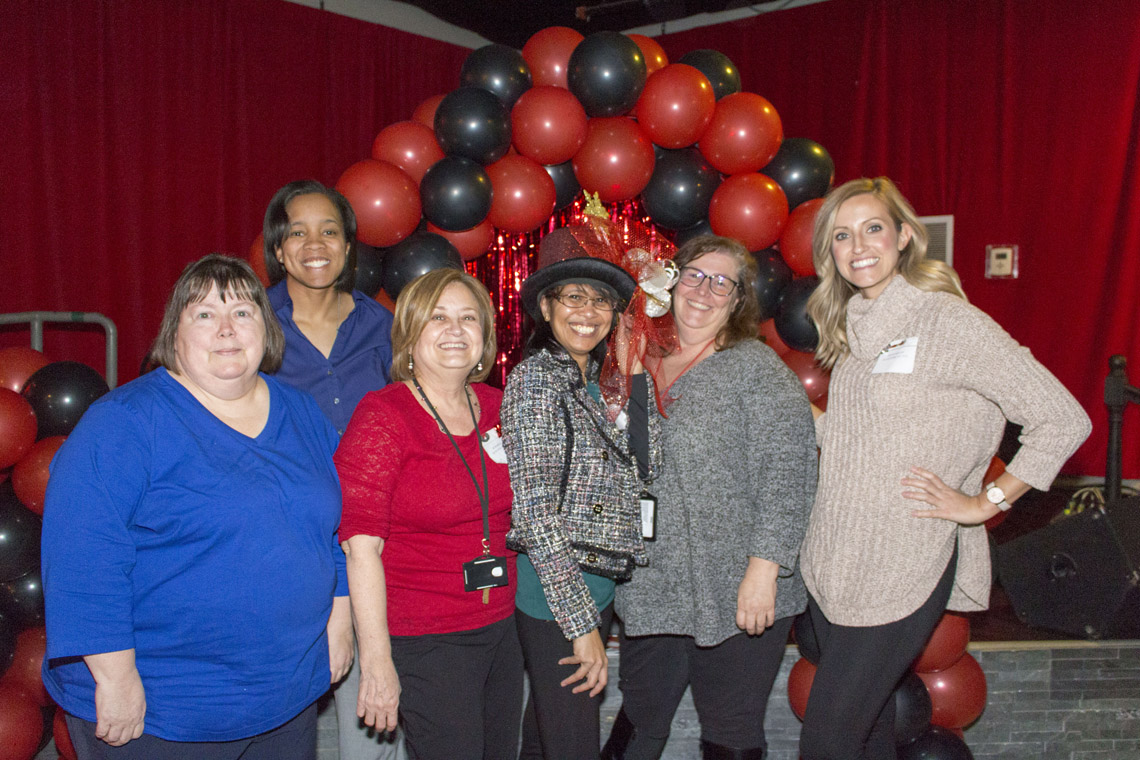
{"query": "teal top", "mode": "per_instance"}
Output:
(531, 599)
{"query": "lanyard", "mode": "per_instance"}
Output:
(485, 491)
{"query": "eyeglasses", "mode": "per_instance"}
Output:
(718, 283)
(578, 301)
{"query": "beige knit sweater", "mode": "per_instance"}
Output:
(865, 559)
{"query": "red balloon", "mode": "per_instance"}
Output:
(471, 243)
(62, 737)
(385, 199)
(799, 685)
(751, 208)
(957, 693)
(24, 672)
(676, 106)
(548, 124)
(17, 364)
(425, 112)
(946, 646)
(30, 475)
(547, 52)
(795, 240)
(616, 161)
(522, 194)
(814, 378)
(744, 134)
(386, 300)
(256, 258)
(772, 338)
(17, 427)
(653, 53)
(409, 145)
(20, 725)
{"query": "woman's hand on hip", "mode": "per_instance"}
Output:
(378, 701)
(120, 702)
(756, 596)
(590, 657)
(946, 503)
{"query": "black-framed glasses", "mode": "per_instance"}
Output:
(718, 283)
(579, 300)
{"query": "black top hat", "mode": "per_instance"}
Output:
(566, 262)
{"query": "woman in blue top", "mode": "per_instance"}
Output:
(338, 347)
(189, 560)
(338, 343)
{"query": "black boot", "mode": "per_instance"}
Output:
(620, 736)
(710, 751)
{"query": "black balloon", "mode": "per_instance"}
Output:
(913, 709)
(473, 123)
(607, 73)
(416, 255)
(22, 600)
(935, 744)
(700, 228)
(566, 187)
(369, 269)
(498, 69)
(678, 193)
(7, 643)
(772, 276)
(722, 73)
(19, 537)
(455, 194)
(60, 393)
(806, 641)
(793, 324)
(803, 168)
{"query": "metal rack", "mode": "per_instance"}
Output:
(36, 319)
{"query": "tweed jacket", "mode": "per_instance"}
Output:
(575, 482)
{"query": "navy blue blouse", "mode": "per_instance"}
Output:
(360, 360)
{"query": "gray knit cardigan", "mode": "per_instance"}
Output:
(576, 486)
(738, 480)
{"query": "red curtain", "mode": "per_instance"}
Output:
(141, 135)
(1020, 119)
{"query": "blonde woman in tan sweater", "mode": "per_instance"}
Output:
(921, 389)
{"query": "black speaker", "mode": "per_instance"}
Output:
(1079, 575)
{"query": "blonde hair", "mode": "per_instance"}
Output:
(827, 306)
(414, 307)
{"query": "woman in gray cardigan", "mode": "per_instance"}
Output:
(576, 481)
(713, 608)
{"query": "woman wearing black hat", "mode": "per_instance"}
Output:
(578, 476)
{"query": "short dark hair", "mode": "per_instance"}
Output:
(414, 308)
(277, 224)
(228, 275)
(743, 320)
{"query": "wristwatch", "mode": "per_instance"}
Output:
(996, 496)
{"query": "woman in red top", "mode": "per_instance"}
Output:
(427, 506)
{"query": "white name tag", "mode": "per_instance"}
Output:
(622, 421)
(897, 357)
(493, 445)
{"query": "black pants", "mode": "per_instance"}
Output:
(567, 724)
(730, 684)
(295, 740)
(461, 693)
(850, 714)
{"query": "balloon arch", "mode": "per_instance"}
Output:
(678, 148)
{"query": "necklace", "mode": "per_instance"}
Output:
(686, 368)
